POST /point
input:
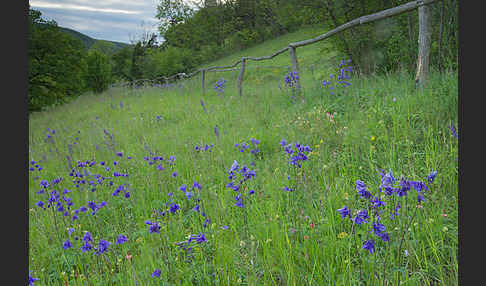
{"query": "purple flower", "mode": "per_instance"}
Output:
(234, 166)
(361, 217)
(196, 185)
(103, 246)
(384, 236)
(156, 273)
(377, 203)
(387, 179)
(431, 176)
(420, 197)
(369, 245)
(200, 238)
(404, 187)
(32, 280)
(345, 212)
(67, 244)
(121, 239)
(173, 208)
(86, 247)
(418, 186)
(44, 183)
(453, 130)
(87, 237)
(362, 191)
(171, 159)
(174, 174)
(188, 195)
(395, 212)
(378, 227)
(154, 228)
(239, 204)
(287, 189)
(40, 204)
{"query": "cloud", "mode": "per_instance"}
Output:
(113, 20)
(82, 8)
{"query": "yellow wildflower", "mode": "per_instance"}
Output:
(342, 235)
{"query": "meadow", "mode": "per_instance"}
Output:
(355, 185)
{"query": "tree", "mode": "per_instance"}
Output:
(104, 47)
(122, 63)
(148, 41)
(98, 76)
(56, 63)
(173, 12)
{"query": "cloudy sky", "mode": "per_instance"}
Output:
(113, 20)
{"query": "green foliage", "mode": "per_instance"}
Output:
(172, 12)
(214, 31)
(98, 76)
(105, 47)
(391, 44)
(122, 63)
(56, 64)
(166, 62)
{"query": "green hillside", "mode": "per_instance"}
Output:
(89, 42)
(316, 61)
(307, 55)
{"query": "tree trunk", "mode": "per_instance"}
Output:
(440, 35)
(295, 66)
(330, 11)
(410, 40)
(203, 79)
(424, 46)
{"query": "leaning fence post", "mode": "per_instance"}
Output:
(295, 65)
(240, 76)
(424, 46)
(203, 78)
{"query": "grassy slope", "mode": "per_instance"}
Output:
(380, 122)
(315, 59)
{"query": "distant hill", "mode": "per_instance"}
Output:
(89, 42)
(105, 45)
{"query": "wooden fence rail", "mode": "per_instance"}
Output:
(422, 63)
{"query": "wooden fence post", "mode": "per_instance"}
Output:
(203, 79)
(423, 46)
(240, 76)
(295, 65)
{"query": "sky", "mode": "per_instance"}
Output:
(113, 20)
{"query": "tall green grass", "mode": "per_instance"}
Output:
(278, 238)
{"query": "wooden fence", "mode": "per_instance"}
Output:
(422, 61)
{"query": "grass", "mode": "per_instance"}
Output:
(278, 238)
